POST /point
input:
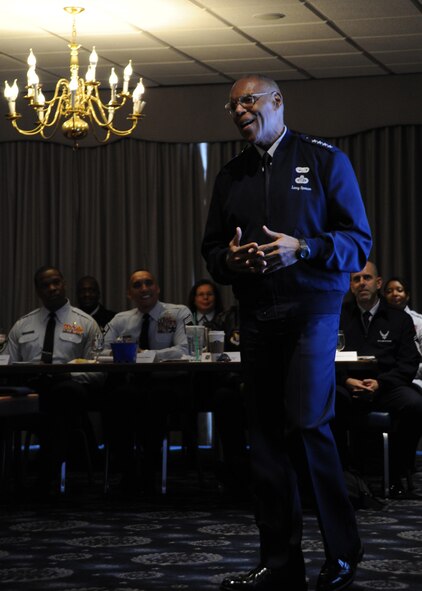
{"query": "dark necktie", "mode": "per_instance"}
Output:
(366, 319)
(266, 168)
(143, 337)
(48, 346)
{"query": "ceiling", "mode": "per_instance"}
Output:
(197, 42)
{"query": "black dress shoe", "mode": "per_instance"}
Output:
(338, 574)
(263, 579)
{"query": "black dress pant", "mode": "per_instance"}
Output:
(290, 377)
(404, 403)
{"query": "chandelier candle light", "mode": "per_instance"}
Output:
(77, 100)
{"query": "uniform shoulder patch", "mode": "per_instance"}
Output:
(318, 142)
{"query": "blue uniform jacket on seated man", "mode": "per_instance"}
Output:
(288, 329)
(390, 337)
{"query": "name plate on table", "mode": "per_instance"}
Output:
(346, 355)
(232, 355)
(145, 357)
(4, 359)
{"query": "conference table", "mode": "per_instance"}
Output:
(196, 371)
(191, 367)
(16, 373)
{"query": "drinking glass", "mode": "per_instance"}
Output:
(97, 345)
(341, 340)
(196, 336)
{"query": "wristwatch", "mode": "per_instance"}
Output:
(303, 252)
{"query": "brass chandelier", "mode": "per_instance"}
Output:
(76, 100)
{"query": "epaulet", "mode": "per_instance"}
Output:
(29, 314)
(242, 151)
(81, 313)
(245, 148)
(235, 159)
(318, 142)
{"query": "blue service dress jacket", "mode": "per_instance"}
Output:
(390, 338)
(313, 194)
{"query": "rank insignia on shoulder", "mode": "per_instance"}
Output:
(318, 142)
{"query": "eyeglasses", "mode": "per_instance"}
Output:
(246, 101)
(142, 282)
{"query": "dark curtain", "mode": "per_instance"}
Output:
(388, 164)
(109, 210)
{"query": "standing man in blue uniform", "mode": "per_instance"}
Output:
(286, 226)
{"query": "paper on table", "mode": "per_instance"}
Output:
(346, 355)
(105, 358)
(145, 356)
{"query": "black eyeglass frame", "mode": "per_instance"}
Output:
(252, 97)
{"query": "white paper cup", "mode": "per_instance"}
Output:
(216, 341)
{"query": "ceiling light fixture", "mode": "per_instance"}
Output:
(76, 100)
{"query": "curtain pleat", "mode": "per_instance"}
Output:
(111, 209)
(388, 166)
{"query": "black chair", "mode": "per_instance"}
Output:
(380, 423)
(173, 426)
(79, 434)
(19, 411)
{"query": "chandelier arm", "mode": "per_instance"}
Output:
(124, 132)
(94, 131)
(33, 131)
(100, 118)
(53, 131)
(105, 124)
(95, 96)
(59, 111)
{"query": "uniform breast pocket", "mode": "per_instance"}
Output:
(29, 337)
(70, 342)
(164, 339)
(30, 345)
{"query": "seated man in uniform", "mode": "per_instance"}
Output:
(57, 332)
(137, 409)
(373, 328)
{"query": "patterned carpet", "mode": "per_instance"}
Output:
(190, 538)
